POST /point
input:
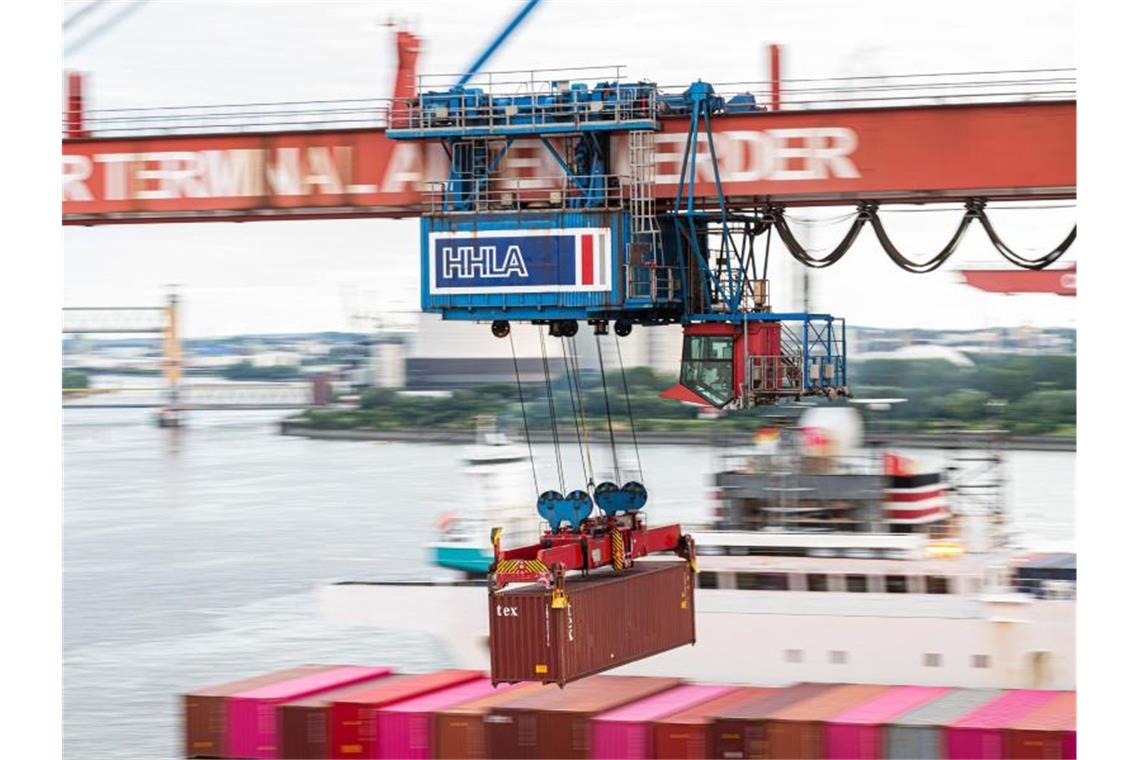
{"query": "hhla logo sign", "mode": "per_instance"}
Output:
(467, 261)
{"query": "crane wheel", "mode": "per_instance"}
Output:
(500, 328)
(623, 328)
(569, 328)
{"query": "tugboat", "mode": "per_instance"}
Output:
(498, 478)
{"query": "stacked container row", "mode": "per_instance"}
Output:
(344, 711)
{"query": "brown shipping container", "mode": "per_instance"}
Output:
(612, 618)
(204, 710)
(688, 734)
(738, 731)
(303, 724)
(459, 730)
(555, 723)
(797, 730)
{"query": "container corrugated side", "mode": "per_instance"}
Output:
(627, 732)
(352, 719)
(303, 724)
(857, 734)
(740, 731)
(251, 716)
(204, 710)
(611, 619)
(555, 723)
(404, 729)
(1048, 731)
(797, 730)
(687, 735)
(459, 730)
(917, 734)
(978, 735)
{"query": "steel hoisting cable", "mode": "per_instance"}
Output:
(573, 406)
(526, 425)
(609, 417)
(629, 408)
(553, 414)
(577, 367)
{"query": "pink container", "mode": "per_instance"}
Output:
(251, 717)
(627, 732)
(404, 729)
(857, 734)
(978, 736)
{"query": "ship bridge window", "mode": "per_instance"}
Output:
(706, 367)
(708, 580)
(817, 582)
(857, 584)
(937, 584)
(896, 584)
(762, 581)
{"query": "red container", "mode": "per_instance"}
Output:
(1050, 731)
(353, 717)
(251, 716)
(857, 734)
(204, 710)
(688, 734)
(404, 729)
(740, 731)
(627, 732)
(797, 730)
(303, 724)
(612, 618)
(555, 723)
(458, 730)
(978, 736)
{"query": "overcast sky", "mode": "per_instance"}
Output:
(299, 276)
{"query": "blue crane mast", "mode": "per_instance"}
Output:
(593, 244)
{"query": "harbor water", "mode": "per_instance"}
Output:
(193, 556)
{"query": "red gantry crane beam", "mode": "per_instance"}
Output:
(346, 167)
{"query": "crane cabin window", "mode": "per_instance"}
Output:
(706, 367)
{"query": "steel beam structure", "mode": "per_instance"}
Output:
(903, 154)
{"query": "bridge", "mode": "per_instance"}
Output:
(172, 397)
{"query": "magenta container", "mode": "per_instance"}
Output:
(626, 733)
(857, 734)
(404, 729)
(978, 736)
(251, 716)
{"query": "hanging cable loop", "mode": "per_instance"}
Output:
(868, 211)
(933, 262)
(1011, 255)
(774, 215)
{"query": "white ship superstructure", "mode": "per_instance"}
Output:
(812, 571)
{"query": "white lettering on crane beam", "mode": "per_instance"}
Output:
(812, 153)
(76, 170)
(227, 173)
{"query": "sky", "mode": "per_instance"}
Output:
(314, 275)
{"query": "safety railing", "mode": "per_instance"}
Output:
(525, 101)
(885, 91)
(776, 374)
(378, 113)
(652, 283)
(600, 191)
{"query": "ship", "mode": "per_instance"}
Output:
(822, 560)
